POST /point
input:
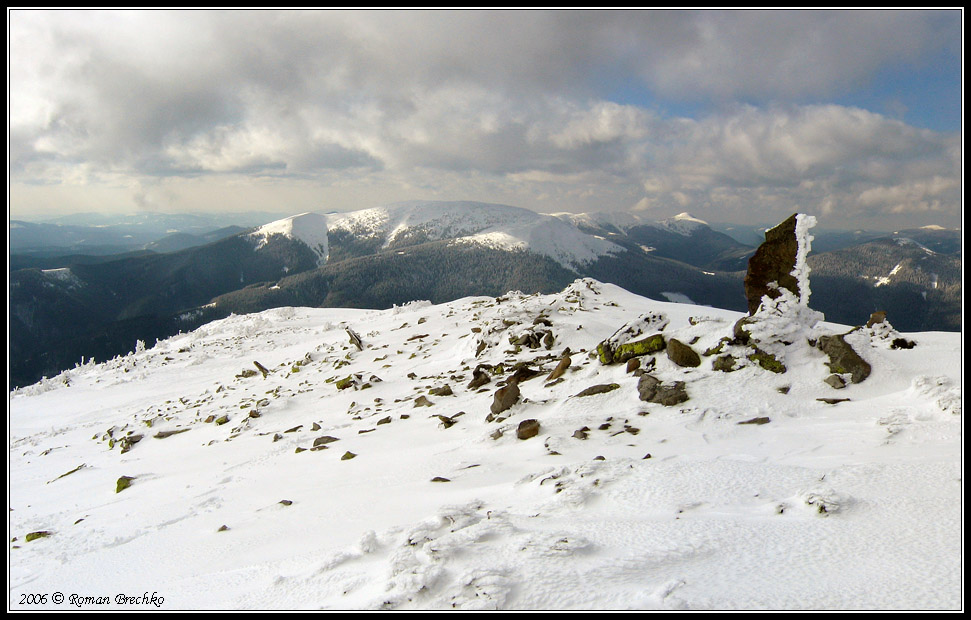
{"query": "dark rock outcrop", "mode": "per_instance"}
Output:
(773, 261)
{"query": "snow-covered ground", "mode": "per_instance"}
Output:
(811, 505)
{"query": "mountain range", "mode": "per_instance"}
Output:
(67, 309)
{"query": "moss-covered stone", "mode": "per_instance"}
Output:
(35, 535)
(724, 363)
(346, 382)
(619, 354)
(221, 420)
(767, 361)
(123, 483)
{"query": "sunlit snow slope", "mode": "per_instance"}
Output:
(414, 500)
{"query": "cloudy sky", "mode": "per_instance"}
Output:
(738, 116)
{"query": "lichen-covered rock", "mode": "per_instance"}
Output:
(843, 359)
(123, 483)
(35, 535)
(619, 353)
(682, 354)
(346, 382)
(505, 397)
(347, 456)
(724, 363)
(527, 429)
(767, 361)
(599, 389)
(773, 261)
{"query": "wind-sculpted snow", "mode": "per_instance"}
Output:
(275, 461)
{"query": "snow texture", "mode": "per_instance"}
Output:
(243, 493)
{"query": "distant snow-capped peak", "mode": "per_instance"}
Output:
(490, 225)
(310, 228)
(683, 223)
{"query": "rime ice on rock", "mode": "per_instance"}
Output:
(780, 263)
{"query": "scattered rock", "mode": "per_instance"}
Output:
(757, 421)
(599, 389)
(294, 429)
(326, 439)
(835, 381)
(348, 456)
(783, 390)
(527, 429)
(354, 338)
(127, 442)
(560, 369)
(315, 427)
(650, 389)
(440, 479)
(261, 368)
(223, 528)
(773, 261)
(581, 433)
(422, 401)
(286, 502)
(682, 354)
(123, 483)
(505, 397)
(842, 358)
(221, 420)
(384, 420)
(445, 390)
(724, 363)
(633, 364)
(832, 401)
(902, 343)
(767, 361)
(877, 317)
(479, 378)
(346, 382)
(35, 535)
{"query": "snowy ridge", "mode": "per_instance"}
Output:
(310, 228)
(275, 464)
(489, 225)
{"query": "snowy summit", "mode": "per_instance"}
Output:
(589, 449)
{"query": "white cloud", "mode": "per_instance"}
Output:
(488, 105)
